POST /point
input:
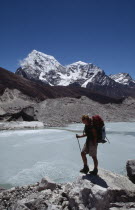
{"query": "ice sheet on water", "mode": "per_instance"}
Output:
(27, 156)
(57, 171)
(114, 156)
(79, 127)
(121, 126)
(27, 132)
(110, 126)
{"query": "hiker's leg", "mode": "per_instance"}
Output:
(85, 168)
(95, 171)
(84, 158)
(95, 160)
(93, 154)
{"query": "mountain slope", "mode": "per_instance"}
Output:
(42, 92)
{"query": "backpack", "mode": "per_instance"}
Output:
(99, 125)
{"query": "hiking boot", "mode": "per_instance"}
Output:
(85, 170)
(94, 172)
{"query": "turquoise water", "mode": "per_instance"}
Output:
(28, 155)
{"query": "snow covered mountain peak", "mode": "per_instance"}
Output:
(43, 68)
(38, 66)
(78, 63)
(39, 61)
(36, 54)
(123, 78)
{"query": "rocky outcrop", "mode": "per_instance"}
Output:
(130, 166)
(15, 106)
(107, 191)
(26, 114)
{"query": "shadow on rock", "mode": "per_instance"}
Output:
(96, 180)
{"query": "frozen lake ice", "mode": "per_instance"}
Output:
(28, 155)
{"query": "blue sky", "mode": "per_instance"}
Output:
(101, 32)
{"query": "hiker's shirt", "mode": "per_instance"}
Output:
(88, 130)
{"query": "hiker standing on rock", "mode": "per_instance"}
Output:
(90, 147)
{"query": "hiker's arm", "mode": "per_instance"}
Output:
(80, 136)
(94, 136)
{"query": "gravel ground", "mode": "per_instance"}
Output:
(58, 112)
(62, 111)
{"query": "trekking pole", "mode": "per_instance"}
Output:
(107, 139)
(78, 143)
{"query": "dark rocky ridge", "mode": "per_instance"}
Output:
(42, 92)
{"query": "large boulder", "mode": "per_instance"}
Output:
(46, 183)
(15, 106)
(1, 189)
(131, 170)
(26, 114)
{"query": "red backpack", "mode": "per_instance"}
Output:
(99, 125)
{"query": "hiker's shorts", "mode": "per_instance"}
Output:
(91, 149)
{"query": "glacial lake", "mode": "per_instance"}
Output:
(28, 155)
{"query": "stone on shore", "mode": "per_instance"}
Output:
(46, 183)
(131, 170)
(1, 189)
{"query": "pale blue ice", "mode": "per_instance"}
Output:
(28, 155)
